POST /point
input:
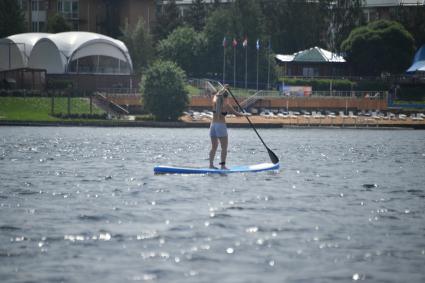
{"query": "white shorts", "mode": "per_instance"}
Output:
(218, 130)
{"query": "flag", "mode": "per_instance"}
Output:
(245, 42)
(224, 42)
(258, 44)
(235, 43)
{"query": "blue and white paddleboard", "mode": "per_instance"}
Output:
(232, 169)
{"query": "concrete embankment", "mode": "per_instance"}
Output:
(240, 122)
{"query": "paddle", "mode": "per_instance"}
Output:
(273, 156)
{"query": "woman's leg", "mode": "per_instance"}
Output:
(214, 145)
(223, 142)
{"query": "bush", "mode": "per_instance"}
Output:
(164, 93)
(102, 116)
(59, 84)
(367, 85)
(321, 84)
(338, 84)
(411, 92)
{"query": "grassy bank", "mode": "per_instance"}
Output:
(39, 108)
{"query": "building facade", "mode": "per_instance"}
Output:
(100, 16)
(385, 9)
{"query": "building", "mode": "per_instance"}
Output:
(313, 62)
(85, 60)
(382, 9)
(184, 5)
(100, 16)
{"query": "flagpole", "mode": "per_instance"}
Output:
(245, 45)
(258, 49)
(234, 62)
(268, 68)
(224, 60)
(246, 67)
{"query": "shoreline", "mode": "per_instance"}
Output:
(258, 122)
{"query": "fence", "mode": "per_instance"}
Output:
(24, 78)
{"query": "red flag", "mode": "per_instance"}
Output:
(235, 43)
(245, 42)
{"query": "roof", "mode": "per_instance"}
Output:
(26, 41)
(315, 54)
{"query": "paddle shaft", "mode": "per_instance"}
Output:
(273, 156)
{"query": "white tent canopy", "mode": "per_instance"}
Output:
(69, 52)
(315, 54)
(10, 55)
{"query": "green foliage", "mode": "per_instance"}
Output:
(295, 25)
(38, 108)
(346, 15)
(167, 20)
(164, 93)
(140, 45)
(411, 93)
(185, 47)
(243, 19)
(338, 84)
(321, 84)
(372, 85)
(57, 23)
(413, 19)
(196, 15)
(59, 84)
(379, 47)
(11, 18)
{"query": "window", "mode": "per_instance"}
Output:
(34, 5)
(99, 65)
(310, 72)
(23, 4)
(68, 8)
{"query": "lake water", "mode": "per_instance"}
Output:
(83, 205)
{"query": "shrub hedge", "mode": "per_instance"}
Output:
(337, 84)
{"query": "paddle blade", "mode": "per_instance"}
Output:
(272, 156)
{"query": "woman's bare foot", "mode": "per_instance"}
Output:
(213, 167)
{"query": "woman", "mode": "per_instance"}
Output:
(218, 129)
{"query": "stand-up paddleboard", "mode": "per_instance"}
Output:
(232, 169)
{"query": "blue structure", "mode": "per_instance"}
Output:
(418, 61)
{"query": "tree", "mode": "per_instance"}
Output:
(11, 18)
(379, 47)
(167, 20)
(243, 20)
(345, 16)
(196, 15)
(295, 25)
(163, 89)
(110, 24)
(140, 45)
(57, 23)
(185, 47)
(216, 28)
(413, 19)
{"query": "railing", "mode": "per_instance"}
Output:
(109, 106)
(119, 91)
